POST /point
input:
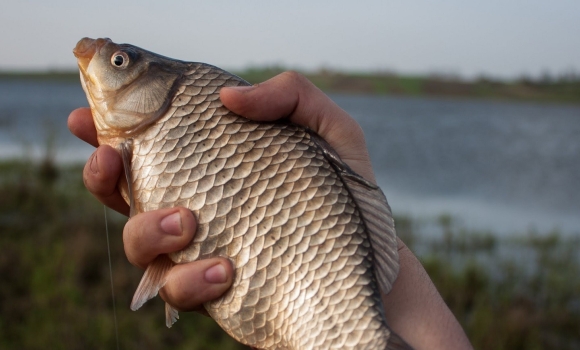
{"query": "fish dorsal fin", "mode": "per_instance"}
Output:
(376, 215)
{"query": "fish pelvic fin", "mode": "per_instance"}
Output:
(154, 279)
(171, 315)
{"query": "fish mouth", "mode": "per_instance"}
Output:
(86, 49)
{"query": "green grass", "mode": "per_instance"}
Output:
(508, 293)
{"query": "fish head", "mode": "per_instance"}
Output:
(128, 88)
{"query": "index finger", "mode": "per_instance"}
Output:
(80, 123)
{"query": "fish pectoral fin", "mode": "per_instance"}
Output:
(126, 156)
(152, 281)
(171, 315)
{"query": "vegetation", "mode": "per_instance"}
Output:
(508, 293)
(563, 89)
(519, 292)
(545, 89)
(55, 289)
(66, 76)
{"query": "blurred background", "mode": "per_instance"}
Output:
(472, 118)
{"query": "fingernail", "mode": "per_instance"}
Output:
(171, 224)
(94, 165)
(216, 274)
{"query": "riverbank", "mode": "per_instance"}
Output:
(508, 292)
(547, 89)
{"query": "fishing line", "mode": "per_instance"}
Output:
(111, 277)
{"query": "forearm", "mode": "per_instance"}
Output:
(416, 311)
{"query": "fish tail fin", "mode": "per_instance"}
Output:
(171, 315)
(154, 279)
(397, 343)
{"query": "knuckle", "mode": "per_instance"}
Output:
(97, 182)
(133, 230)
(294, 77)
(132, 243)
(92, 181)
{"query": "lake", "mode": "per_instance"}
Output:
(501, 166)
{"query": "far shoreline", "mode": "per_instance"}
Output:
(564, 89)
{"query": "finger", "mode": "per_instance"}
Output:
(101, 174)
(290, 95)
(150, 234)
(190, 285)
(80, 123)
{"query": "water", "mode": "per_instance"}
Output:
(500, 166)
(34, 115)
(497, 166)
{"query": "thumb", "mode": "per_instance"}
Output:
(290, 95)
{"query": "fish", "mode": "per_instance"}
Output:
(312, 242)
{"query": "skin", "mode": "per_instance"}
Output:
(414, 307)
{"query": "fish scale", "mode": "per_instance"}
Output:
(275, 200)
(302, 210)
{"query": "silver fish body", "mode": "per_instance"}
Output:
(312, 242)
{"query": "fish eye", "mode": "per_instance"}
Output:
(120, 59)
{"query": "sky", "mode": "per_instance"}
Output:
(501, 39)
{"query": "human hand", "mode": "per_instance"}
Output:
(150, 234)
(145, 236)
(414, 308)
(290, 95)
